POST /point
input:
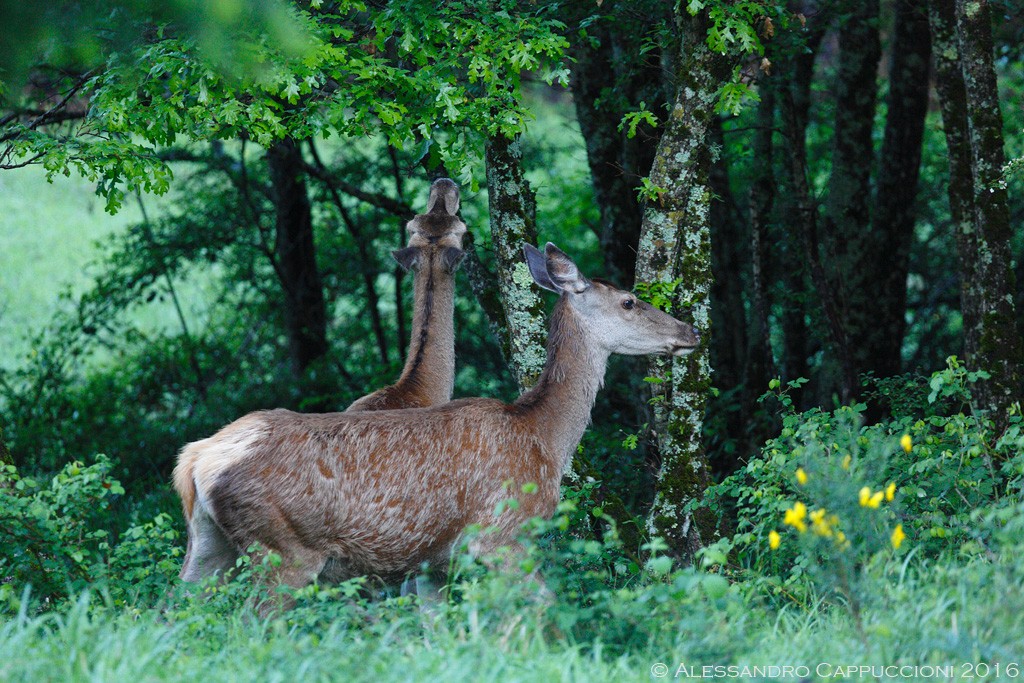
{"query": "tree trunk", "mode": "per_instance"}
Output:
(5, 453)
(610, 80)
(991, 282)
(513, 211)
(797, 258)
(848, 238)
(675, 246)
(760, 365)
(888, 257)
(728, 311)
(949, 83)
(305, 312)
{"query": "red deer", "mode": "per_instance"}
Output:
(434, 254)
(339, 495)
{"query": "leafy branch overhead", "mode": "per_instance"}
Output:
(437, 80)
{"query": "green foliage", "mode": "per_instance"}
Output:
(52, 532)
(648, 191)
(634, 118)
(592, 618)
(829, 492)
(739, 29)
(433, 79)
(659, 294)
(145, 561)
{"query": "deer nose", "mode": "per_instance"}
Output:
(696, 333)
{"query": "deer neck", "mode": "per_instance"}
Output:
(430, 362)
(563, 397)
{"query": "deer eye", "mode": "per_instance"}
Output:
(628, 304)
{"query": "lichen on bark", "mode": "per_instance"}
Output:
(675, 244)
(513, 210)
(973, 123)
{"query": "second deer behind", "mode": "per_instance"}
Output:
(433, 255)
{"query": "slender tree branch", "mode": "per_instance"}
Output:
(393, 206)
(365, 258)
(189, 341)
(399, 272)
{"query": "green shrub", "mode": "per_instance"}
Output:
(143, 566)
(53, 533)
(830, 492)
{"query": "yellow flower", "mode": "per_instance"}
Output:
(841, 540)
(897, 536)
(795, 516)
(870, 500)
(774, 539)
(890, 491)
(821, 525)
(906, 442)
(846, 461)
(801, 476)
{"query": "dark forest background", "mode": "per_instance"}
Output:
(843, 181)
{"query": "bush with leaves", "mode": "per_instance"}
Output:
(142, 567)
(52, 534)
(829, 495)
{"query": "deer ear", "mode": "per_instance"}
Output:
(538, 268)
(444, 197)
(407, 257)
(563, 272)
(451, 258)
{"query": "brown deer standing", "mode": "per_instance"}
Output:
(345, 494)
(434, 254)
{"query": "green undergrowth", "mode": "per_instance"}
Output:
(897, 545)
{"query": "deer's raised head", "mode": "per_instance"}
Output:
(439, 230)
(617, 320)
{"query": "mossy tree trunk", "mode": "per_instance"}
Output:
(999, 342)
(949, 84)
(675, 245)
(513, 212)
(795, 249)
(847, 242)
(888, 258)
(962, 31)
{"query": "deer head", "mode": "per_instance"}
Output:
(616, 320)
(438, 230)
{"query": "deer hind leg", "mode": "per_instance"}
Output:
(298, 569)
(425, 585)
(209, 550)
(503, 556)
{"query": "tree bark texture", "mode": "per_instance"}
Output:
(797, 253)
(675, 245)
(949, 84)
(848, 239)
(609, 80)
(513, 211)
(305, 311)
(990, 283)
(760, 365)
(887, 259)
(729, 258)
